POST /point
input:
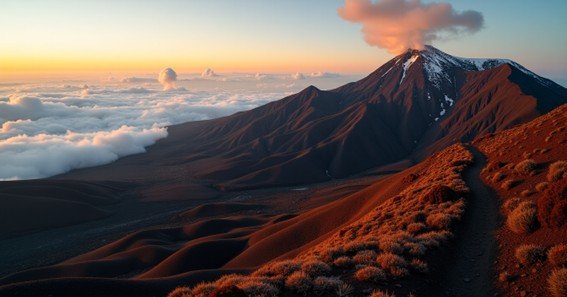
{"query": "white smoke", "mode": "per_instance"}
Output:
(167, 78)
(397, 25)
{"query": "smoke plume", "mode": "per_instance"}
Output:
(397, 25)
(167, 78)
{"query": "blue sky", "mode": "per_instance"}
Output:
(252, 35)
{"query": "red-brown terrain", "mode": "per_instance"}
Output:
(312, 194)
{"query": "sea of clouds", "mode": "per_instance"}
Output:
(51, 126)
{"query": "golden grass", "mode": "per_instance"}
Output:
(389, 242)
(557, 255)
(523, 219)
(529, 254)
(558, 282)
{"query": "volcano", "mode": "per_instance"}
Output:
(417, 103)
(206, 201)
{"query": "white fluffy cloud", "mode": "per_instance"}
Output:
(167, 78)
(208, 73)
(27, 157)
(48, 128)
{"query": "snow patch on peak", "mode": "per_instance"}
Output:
(437, 63)
(449, 100)
(407, 64)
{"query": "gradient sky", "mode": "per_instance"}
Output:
(250, 36)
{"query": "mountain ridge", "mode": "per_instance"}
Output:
(396, 113)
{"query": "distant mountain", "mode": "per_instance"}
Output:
(417, 103)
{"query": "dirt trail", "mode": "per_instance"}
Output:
(470, 269)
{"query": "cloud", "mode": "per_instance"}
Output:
(167, 78)
(297, 76)
(134, 79)
(263, 76)
(324, 75)
(41, 136)
(28, 157)
(208, 73)
(397, 25)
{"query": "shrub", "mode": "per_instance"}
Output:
(529, 254)
(299, 282)
(542, 186)
(558, 282)
(523, 219)
(382, 294)
(344, 290)
(180, 292)
(439, 220)
(343, 262)
(283, 268)
(511, 204)
(439, 194)
(509, 184)
(315, 268)
(557, 255)
(228, 291)
(552, 206)
(526, 167)
(204, 289)
(557, 171)
(415, 228)
(388, 261)
(258, 288)
(324, 285)
(365, 257)
(414, 248)
(419, 266)
(498, 176)
(370, 274)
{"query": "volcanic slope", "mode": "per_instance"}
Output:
(417, 103)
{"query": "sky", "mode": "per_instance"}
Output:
(69, 36)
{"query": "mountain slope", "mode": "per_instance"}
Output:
(415, 104)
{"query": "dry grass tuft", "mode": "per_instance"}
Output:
(180, 292)
(365, 257)
(228, 291)
(552, 206)
(529, 254)
(557, 255)
(558, 282)
(204, 289)
(511, 183)
(370, 274)
(381, 294)
(316, 268)
(526, 167)
(523, 219)
(542, 186)
(323, 285)
(416, 228)
(439, 220)
(283, 268)
(392, 263)
(557, 171)
(498, 176)
(419, 265)
(299, 282)
(439, 194)
(343, 262)
(511, 204)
